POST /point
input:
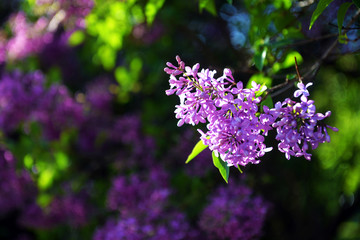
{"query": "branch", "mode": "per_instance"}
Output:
(311, 73)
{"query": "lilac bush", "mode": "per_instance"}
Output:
(237, 122)
(30, 37)
(25, 99)
(142, 203)
(233, 213)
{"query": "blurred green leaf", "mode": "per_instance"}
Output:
(259, 59)
(76, 38)
(222, 166)
(341, 14)
(208, 5)
(260, 78)
(199, 147)
(151, 8)
(62, 160)
(46, 177)
(28, 161)
(322, 4)
(43, 199)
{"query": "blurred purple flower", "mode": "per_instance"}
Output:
(234, 213)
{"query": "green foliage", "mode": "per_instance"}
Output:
(221, 166)
(199, 147)
(340, 18)
(151, 8)
(259, 59)
(357, 3)
(289, 61)
(341, 154)
(322, 4)
(208, 5)
(76, 38)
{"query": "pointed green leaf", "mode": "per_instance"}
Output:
(238, 167)
(357, 3)
(222, 166)
(199, 147)
(319, 9)
(208, 5)
(259, 59)
(341, 14)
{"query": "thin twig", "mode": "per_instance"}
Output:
(315, 68)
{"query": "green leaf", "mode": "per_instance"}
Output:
(319, 9)
(357, 3)
(222, 166)
(199, 147)
(76, 38)
(341, 14)
(268, 102)
(208, 5)
(260, 78)
(151, 8)
(259, 59)
(230, 2)
(238, 167)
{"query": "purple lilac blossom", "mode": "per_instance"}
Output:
(25, 99)
(19, 94)
(233, 213)
(237, 126)
(16, 187)
(70, 209)
(30, 37)
(139, 193)
(171, 225)
(235, 132)
(299, 125)
(142, 203)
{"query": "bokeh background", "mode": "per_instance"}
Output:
(89, 143)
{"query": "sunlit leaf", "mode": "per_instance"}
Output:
(199, 147)
(238, 167)
(222, 166)
(259, 78)
(46, 178)
(151, 8)
(341, 15)
(28, 161)
(76, 38)
(62, 160)
(319, 9)
(208, 5)
(290, 59)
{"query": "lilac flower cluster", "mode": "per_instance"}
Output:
(21, 193)
(29, 37)
(237, 124)
(233, 213)
(142, 204)
(234, 131)
(300, 125)
(70, 209)
(25, 99)
(17, 188)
